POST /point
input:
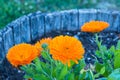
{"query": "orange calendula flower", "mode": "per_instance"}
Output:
(94, 26)
(66, 49)
(22, 54)
(38, 45)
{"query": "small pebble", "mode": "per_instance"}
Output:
(68, 33)
(111, 34)
(89, 51)
(78, 33)
(76, 37)
(91, 41)
(116, 39)
(19, 71)
(88, 59)
(108, 39)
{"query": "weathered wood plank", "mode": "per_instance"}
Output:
(41, 24)
(2, 51)
(52, 22)
(34, 26)
(69, 20)
(25, 29)
(7, 37)
(86, 15)
(65, 20)
(116, 21)
(48, 23)
(56, 21)
(15, 25)
(74, 20)
(104, 15)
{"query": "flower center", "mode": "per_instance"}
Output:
(21, 56)
(67, 48)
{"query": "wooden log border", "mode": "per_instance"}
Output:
(29, 27)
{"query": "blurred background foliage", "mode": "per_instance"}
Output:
(12, 9)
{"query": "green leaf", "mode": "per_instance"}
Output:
(96, 75)
(29, 69)
(117, 61)
(63, 72)
(82, 64)
(89, 75)
(27, 76)
(40, 77)
(54, 72)
(102, 71)
(43, 64)
(77, 68)
(37, 64)
(115, 75)
(116, 52)
(118, 45)
(82, 76)
(98, 66)
(70, 76)
(47, 69)
(112, 49)
(98, 53)
(104, 48)
(45, 55)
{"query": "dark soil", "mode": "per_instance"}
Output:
(7, 72)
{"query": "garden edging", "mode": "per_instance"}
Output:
(29, 27)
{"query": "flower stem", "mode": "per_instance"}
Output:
(51, 62)
(91, 73)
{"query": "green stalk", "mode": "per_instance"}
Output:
(95, 57)
(99, 44)
(51, 67)
(110, 66)
(91, 73)
(45, 72)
